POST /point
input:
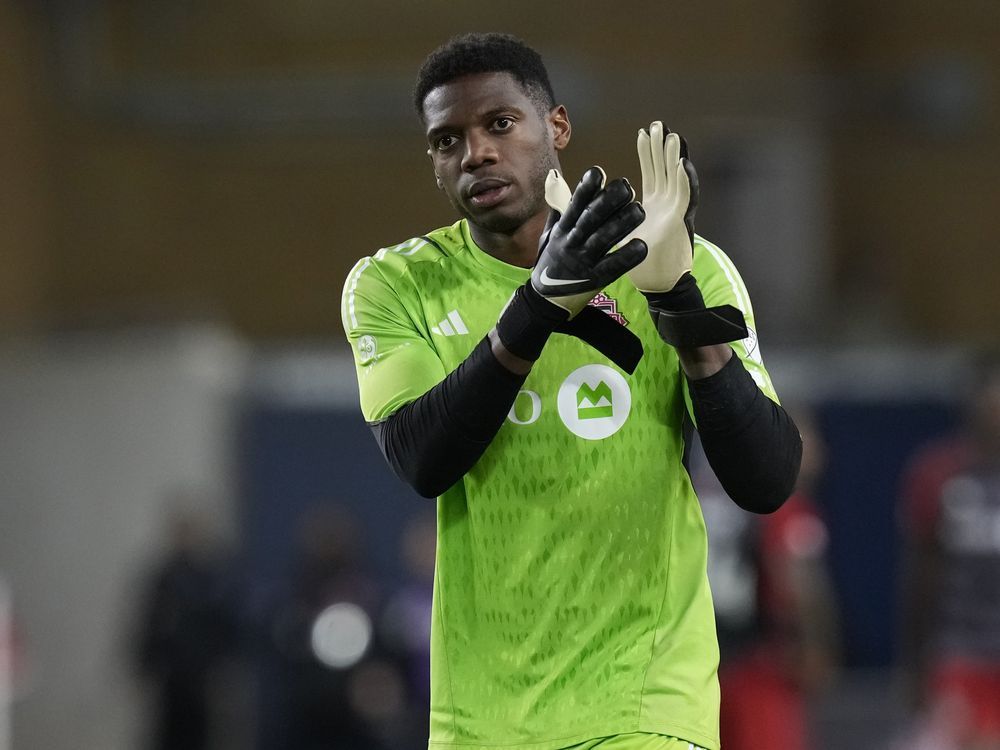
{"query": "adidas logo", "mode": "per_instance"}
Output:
(453, 325)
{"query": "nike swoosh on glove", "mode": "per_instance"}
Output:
(576, 258)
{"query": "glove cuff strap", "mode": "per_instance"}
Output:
(527, 322)
(682, 320)
(610, 338)
(704, 327)
(684, 296)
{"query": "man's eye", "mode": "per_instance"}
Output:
(503, 123)
(444, 142)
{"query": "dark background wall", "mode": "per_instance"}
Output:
(233, 159)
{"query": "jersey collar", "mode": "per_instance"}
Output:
(490, 263)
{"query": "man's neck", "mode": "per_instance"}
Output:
(519, 248)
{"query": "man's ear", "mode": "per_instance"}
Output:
(437, 177)
(560, 127)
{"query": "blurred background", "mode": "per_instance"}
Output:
(194, 520)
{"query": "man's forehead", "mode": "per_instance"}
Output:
(473, 94)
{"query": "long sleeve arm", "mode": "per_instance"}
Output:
(433, 441)
(751, 442)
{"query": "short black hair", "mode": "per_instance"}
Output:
(492, 52)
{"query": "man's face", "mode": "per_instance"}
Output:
(492, 149)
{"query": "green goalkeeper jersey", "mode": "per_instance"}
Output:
(570, 593)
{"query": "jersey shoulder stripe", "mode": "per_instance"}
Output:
(721, 284)
(394, 262)
(711, 265)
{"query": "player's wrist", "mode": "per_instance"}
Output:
(683, 321)
(527, 322)
(684, 296)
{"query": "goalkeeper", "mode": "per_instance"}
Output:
(538, 366)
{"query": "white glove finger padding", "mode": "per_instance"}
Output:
(645, 150)
(557, 192)
(672, 160)
(656, 145)
(681, 188)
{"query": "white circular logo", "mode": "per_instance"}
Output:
(594, 402)
(366, 349)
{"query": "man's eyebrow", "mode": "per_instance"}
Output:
(503, 108)
(487, 115)
(436, 131)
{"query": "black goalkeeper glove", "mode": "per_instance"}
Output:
(575, 262)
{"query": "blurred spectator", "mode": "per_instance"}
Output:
(774, 607)
(406, 623)
(187, 625)
(342, 690)
(950, 514)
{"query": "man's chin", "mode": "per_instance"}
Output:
(499, 220)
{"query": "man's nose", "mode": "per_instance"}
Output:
(479, 150)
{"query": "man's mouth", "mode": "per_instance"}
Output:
(488, 193)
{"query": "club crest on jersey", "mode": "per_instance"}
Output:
(608, 305)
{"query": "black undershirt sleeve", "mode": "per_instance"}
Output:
(433, 441)
(751, 443)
